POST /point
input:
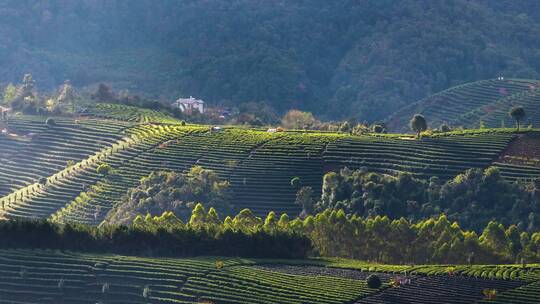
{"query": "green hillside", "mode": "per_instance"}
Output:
(52, 173)
(468, 105)
(38, 276)
(337, 58)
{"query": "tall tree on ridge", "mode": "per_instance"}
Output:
(517, 113)
(418, 124)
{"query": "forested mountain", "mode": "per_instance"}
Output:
(335, 58)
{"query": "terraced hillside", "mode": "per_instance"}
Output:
(486, 101)
(126, 113)
(37, 182)
(31, 150)
(35, 276)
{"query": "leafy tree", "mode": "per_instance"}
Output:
(373, 281)
(295, 182)
(378, 129)
(495, 238)
(103, 169)
(517, 113)
(445, 128)
(246, 221)
(25, 98)
(66, 94)
(295, 119)
(270, 222)
(50, 122)
(345, 127)
(418, 124)
(27, 87)
(10, 92)
(304, 198)
(103, 94)
(284, 220)
(198, 217)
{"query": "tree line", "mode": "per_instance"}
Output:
(330, 233)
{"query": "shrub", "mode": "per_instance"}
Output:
(445, 128)
(378, 129)
(103, 169)
(295, 182)
(183, 123)
(50, 122)
(373, 281)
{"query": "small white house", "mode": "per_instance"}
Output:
(188, 105)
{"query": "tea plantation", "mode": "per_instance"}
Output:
(39, 276)
(484, 102)
(50, 171)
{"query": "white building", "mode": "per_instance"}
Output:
(188, 105)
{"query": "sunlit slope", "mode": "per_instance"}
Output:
(30, 149)
(127, 113)
(467, 105)
(259, 165)
(37, 276)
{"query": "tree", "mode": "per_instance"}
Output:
(27, 87)
(50, 122)
(445, 128)
(517, 113)
(10, 92)
(198, 217)
(378, 129)
(304, 198)
(295, 182)
(295, 119)
(103, 169)
(345, 127)
(373, 281)
(103, 94)
(418, 124)
(66, 94)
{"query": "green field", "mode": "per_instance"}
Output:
(38, 276)
(259, 165)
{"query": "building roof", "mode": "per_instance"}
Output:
(189, 100)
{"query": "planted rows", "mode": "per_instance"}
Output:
(444, 157)
(463, 105)
(129, 113)
(32, 150)
(36, 276)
